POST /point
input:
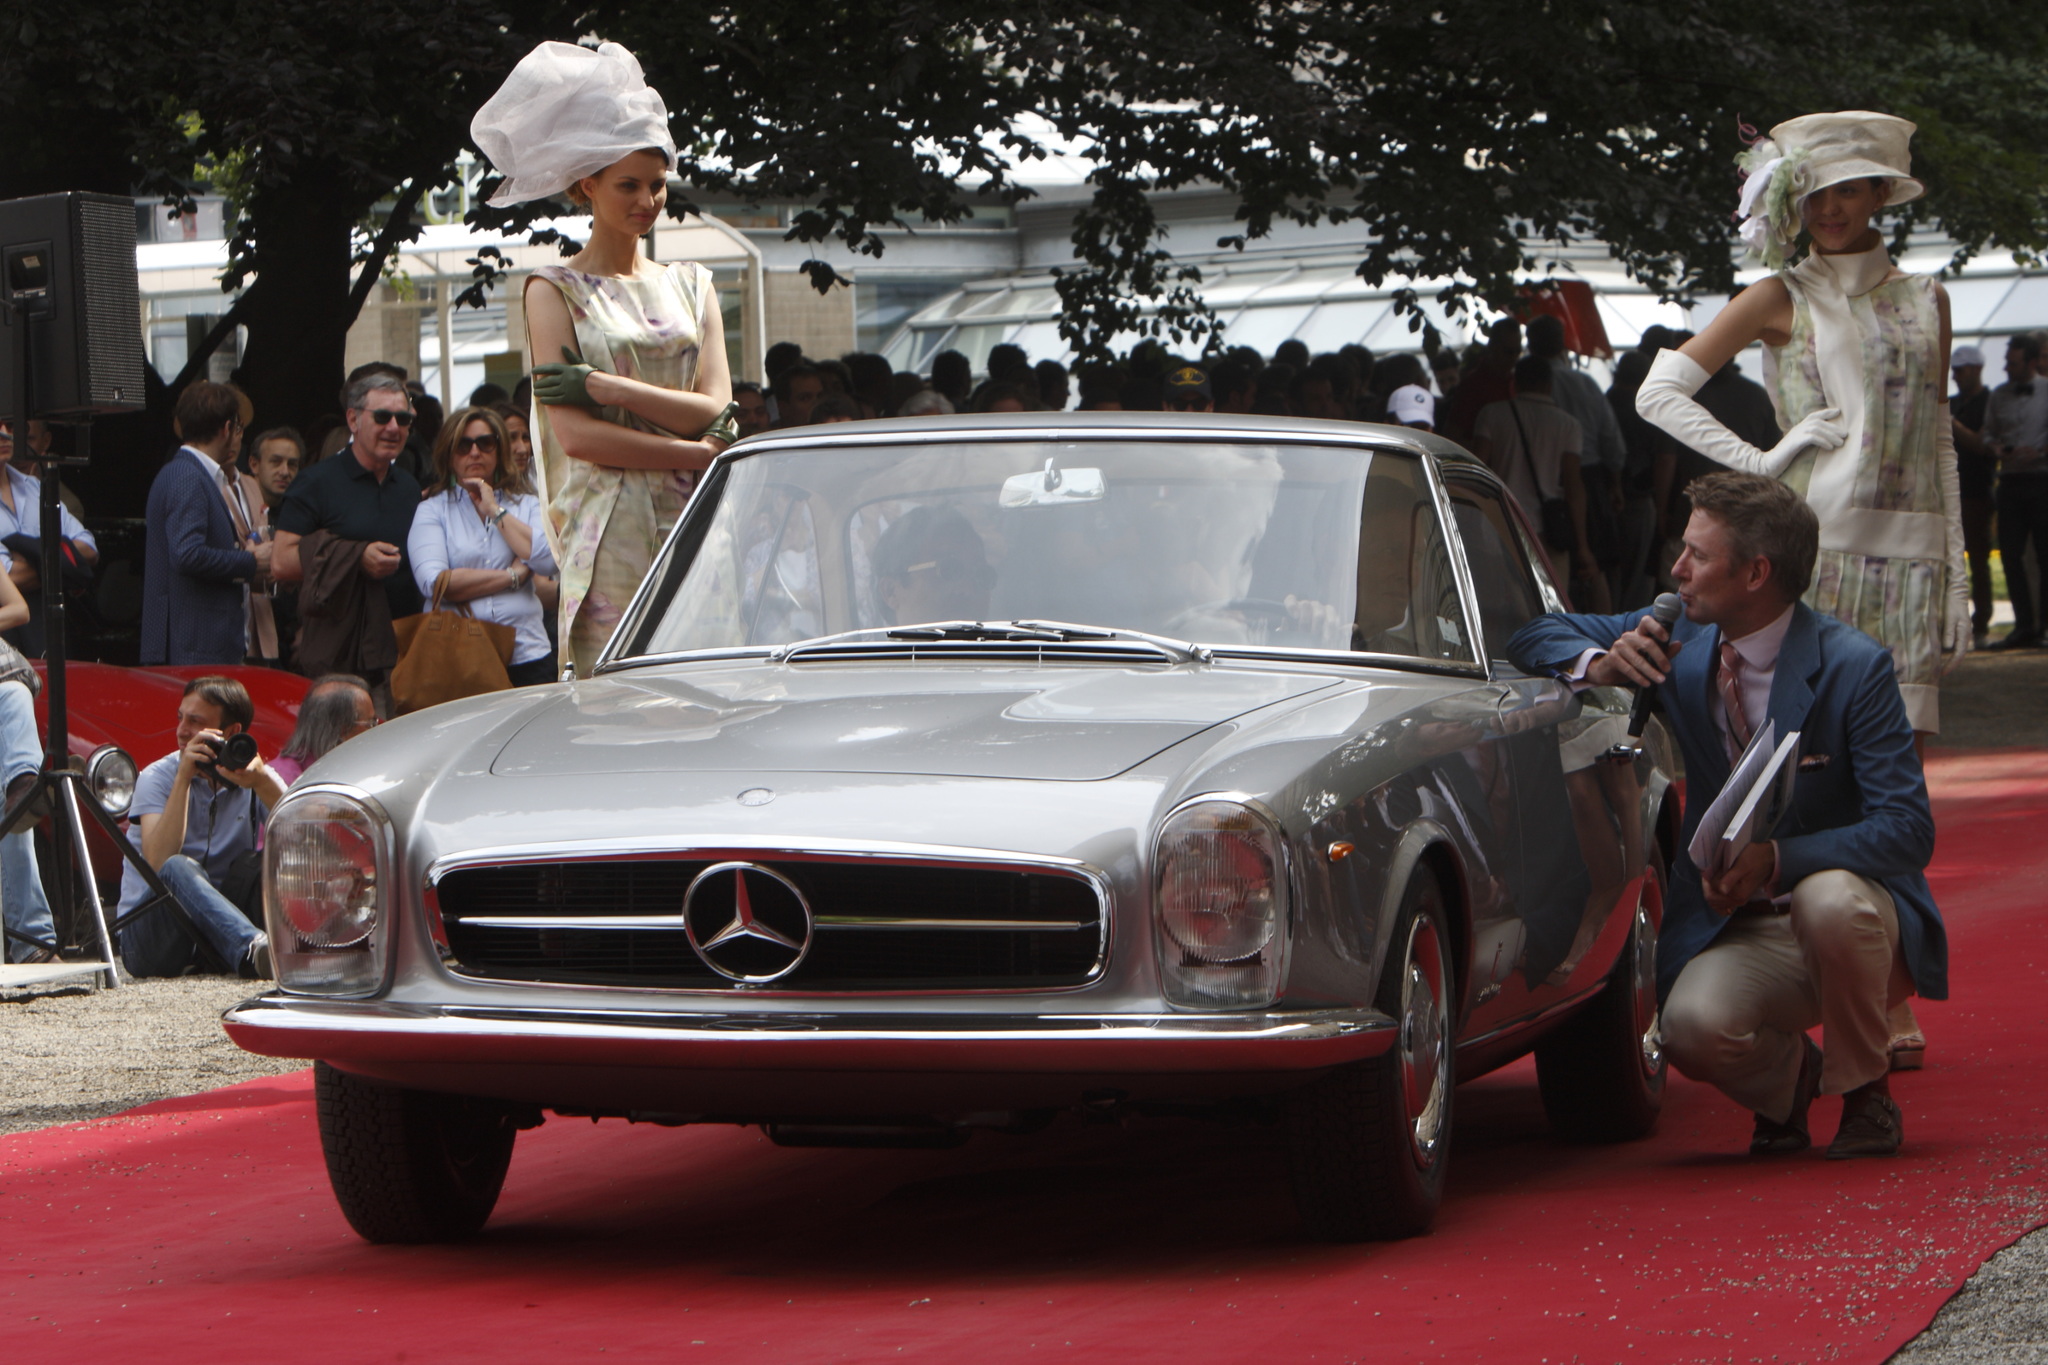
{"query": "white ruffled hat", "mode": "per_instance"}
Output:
(1810, 153)
(566, 112)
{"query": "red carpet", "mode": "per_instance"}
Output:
(202, 1228)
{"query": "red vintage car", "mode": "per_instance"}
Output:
(123, 719)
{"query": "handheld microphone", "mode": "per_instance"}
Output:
(1664, 611)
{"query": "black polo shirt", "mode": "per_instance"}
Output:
(1977, 474)
(339, 495)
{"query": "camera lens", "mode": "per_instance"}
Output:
(237, 752)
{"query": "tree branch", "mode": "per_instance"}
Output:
(195, 364)
(394, 228)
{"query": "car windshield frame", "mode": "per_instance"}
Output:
(694, 526)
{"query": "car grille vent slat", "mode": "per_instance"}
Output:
(1019, 653)
(880, 926)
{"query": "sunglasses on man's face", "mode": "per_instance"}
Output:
(486, 443)
(386, 416)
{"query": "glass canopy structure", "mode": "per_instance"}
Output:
(1320, 302)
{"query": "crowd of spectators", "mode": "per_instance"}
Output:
(299, 550)
(1609, 480)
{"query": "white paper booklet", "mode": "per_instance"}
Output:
(1748, 808)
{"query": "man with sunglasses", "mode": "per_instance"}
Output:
(197, 568)
(364, 503)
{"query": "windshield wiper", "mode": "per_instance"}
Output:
(973, 630)
(1185, 651)
(1019, 632)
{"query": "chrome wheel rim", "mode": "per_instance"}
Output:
(1425, 1042)
(1643, 973)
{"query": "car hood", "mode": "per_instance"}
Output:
(1070, 724)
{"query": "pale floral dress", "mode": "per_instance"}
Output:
(1897, 601)
(606, 524)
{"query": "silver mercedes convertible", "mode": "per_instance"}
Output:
(948, 774)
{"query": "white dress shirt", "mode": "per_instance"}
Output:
(448, 534)
(230, 488)
(27, 517)
(1758, 651)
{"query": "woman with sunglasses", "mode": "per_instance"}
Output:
(476, 525)
(632, 396)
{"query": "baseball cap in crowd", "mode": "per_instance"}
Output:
(1412, 406)
(1187, 385)
(1965, 355)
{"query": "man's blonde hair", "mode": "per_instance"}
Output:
(1764, 518)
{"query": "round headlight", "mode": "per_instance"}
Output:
(326, 874)
(1219, 883)
(110, 772)
(326, 883)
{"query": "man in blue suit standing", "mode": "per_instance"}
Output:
(197, 569)
(1830, 922)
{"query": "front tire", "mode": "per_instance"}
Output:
(1368, 1144)
(1602, 1071)
(411, 1165)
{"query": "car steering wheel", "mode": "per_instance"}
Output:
(1264, 606)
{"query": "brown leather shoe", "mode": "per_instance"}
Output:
(26, 804)
(1772, 1138)
(1871, 1125)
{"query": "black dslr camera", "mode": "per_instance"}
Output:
(234, 753)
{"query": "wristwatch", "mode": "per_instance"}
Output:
(491, 522)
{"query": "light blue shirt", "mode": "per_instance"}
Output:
(27, 517)
(448, 534)
(221, 823)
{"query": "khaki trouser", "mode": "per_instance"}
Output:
(1739, 1009)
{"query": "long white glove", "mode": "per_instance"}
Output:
(1955, 624)
(1666, 400)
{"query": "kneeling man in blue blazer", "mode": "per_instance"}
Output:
(1829, 923)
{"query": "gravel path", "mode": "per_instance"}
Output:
(2000, 1317)
(74, 1053)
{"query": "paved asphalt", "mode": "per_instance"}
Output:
(80, 1054)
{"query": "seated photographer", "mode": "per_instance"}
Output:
(196, 819)
(1830, 922)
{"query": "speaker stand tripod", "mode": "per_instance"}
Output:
(58, 786)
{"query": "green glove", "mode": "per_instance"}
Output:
(726, 428)
(563, 385)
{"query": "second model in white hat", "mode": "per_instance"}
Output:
(1810, 153)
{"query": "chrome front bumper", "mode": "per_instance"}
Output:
(373, 1033)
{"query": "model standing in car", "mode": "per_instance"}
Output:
(631, 390)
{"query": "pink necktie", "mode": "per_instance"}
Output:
(1731, 701)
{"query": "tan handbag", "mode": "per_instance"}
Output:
(448, 655)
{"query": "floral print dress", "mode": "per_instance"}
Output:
(605, 524)
(1896, 599)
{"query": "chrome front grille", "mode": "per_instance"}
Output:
(880, 926)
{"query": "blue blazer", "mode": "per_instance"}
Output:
(193, 569)
(1859, 802)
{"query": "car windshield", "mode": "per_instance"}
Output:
(1217, 542)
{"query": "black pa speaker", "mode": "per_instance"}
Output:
(67, 279)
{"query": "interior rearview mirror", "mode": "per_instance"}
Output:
(1053, 487)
